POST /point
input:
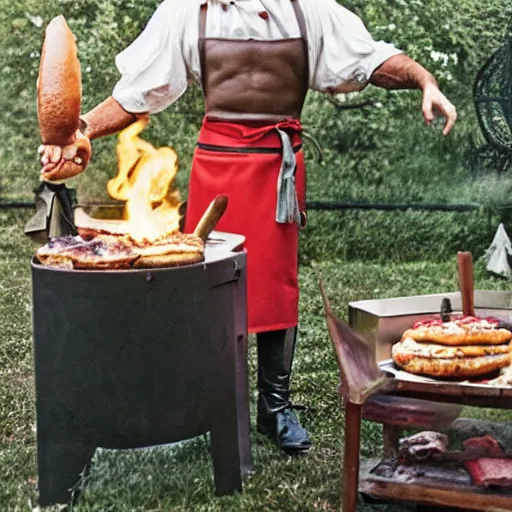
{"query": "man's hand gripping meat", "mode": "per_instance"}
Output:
(60, 163)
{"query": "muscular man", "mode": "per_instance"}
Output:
(255, 60)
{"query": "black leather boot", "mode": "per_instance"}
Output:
(276, 416)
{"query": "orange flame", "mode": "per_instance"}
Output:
(146, 181)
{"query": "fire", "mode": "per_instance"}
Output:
(146, 182)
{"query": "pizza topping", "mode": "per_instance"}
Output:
(460, 320)
(179, 242)
(460, 331)
(75, 247)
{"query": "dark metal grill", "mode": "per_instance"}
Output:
(136, 358)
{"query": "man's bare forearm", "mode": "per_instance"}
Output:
(402, 72)
(107, 118)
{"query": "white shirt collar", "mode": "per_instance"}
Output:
(250, 6)
(234, 2)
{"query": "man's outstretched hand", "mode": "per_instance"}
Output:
(402, 72)
(60, 163)
(435, 103)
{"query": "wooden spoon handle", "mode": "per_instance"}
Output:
(465, 262)
(211, 217)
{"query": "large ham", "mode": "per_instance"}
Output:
(59, 90)
(59, 99)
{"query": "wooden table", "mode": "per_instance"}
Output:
(402, 401)
(431, 491)
(426, 489)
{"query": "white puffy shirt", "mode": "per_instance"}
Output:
(158, 66)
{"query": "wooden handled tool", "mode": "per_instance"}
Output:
(465, 262)
(211, 217)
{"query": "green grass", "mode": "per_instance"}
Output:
(170, 479)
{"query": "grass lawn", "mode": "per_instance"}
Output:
(165, 479)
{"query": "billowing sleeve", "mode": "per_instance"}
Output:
(342, 52)
(153, 71)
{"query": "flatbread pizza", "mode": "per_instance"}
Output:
(74, 253)
(460, 330)
(116, 252)
(180, 249)
(437, 351)
(450, 362)
(461, 347)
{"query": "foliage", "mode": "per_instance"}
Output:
(453, 39)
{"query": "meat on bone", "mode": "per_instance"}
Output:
(427, 445)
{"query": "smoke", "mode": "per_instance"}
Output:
(489, 190)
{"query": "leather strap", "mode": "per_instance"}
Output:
(232, 149)
(202, 36)
(202, 21)
(299, 14)
(300, 19)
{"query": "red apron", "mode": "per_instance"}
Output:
(240, 152)
(249, 179)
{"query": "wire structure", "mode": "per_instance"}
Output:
(492, 94)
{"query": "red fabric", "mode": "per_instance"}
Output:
(250, 182)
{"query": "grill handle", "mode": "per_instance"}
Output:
(465, 262)
(211, 217)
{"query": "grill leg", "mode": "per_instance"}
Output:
(60, 464)
(230, 442)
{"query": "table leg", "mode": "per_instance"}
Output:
(391, 435)
(351, 457)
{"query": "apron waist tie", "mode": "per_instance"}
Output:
(287, 211)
